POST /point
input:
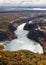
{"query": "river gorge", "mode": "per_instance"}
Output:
(22, 42)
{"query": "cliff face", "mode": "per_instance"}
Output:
(7, 31)
(30, 26)
(36, 34)
(6, 36)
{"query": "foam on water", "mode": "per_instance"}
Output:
(22, 42)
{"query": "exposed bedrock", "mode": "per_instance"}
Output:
(7, 32)
(36, 33)
(38, 36)
(30, 26)
(6, 36)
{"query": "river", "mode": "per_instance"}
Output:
(22, 42)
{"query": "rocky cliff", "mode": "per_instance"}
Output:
(7, 31)
(36, 33)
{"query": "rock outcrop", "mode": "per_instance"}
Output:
(7, 31)
(36, 34)
(6, 35)
(30, 26)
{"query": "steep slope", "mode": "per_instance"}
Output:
(6, 31)
(22, 57)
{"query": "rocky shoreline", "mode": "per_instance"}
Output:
(7, 36)
(36, 34)
(7, 31)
